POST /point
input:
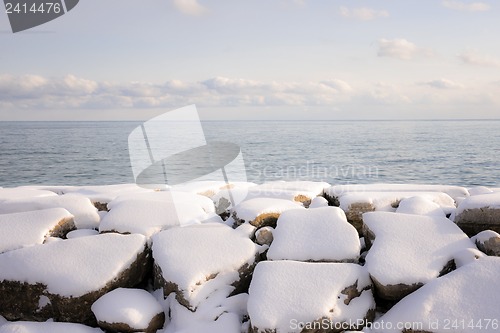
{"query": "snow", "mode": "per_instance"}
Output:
(384, 201)
(249, 210)
(452, 191)
(305, 186)
(47, 327)
(284, 291)
(460, 301)
(485, 236)
(210, 188)
(202, 258)
(94, 261)
(419, 206)
(490, 200)
(84, 212)
(318, 202)
(23, 193)
(411, 249)
(479, 190)
(81, 233)
(134, 307)
(321, 234)
(28, 228)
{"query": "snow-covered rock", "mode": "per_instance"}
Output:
(197, 260)
(419, 206)
(82, 233)
(18, 193)
(478, 213)
(488, 241)
(150, 213)
(129, 310)
(479, 190)
(261, 212)
(264, 236)
(29, 228)
(61, 280)
(408, 251)
(46, 327)
(290, 296)
(321, 234)
(318, 202)
(465, 300)
(84, 212)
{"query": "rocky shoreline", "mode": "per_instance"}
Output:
(272, 258)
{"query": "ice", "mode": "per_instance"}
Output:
(419, 206)
(46, 327)
(134, 307)
(84, 212)
(72, 267)
(465, 300)
(29, 228)
(321, 234)
(411, 249)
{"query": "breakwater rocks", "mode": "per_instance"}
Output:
(272, 258)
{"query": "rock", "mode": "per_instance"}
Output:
(465, 300)
(46, 327)
(61, 280)
(478, 213)
(261, 212)
(128, 311)
(84, 212)
(408, 251)
(195, 261)
(488, 242)
(320, 235)
(264, 236)
(291, 296)
(29, 228)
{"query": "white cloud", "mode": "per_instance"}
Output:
(400, 48)
(363, 13)
(475, 58)
(442, 84)
(470, 7)
(190, 7)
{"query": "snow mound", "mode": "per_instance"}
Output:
(420, 206)
(489, 200)
(23, 193)
(318, 202)
(478, 213)
(81, 233)
(465, 300)
(286, 294)
(479, 190)
(321, 234)
(409, 250)
(262, 211)
(135, 308)
(195, 261)
(84, 212)
(29, 228)
(47, 327)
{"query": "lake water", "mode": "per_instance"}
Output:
(463, 153)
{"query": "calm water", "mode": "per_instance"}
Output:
(436, 152)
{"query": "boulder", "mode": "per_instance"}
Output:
(264, 236)
(291, 296)
(320, 235)
(197, 260)
(61, 280)
(488, 242)
(261, 212)
(478, 213)
(46, 327)
(29, 228)
(128, 311)
(408, 251)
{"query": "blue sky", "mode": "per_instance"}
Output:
(261, 59)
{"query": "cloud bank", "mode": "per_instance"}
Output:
(363, 13)
(469, 7)
(400, 48)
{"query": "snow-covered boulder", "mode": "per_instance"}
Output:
(195, 261)
(150, 213)
(20, 193)
(129, 310)
(61, 280)
(81, 233)
(355, 204)
(261, 212)
(321, 234)
(264, 236)
(29, 228)
(478, 213)
(290, 296)
(465, 300)
(84, 212)
(408, 251)
(419, 206)
(488, 241)
(318, 202)
(46, 327)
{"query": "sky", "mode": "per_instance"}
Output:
(259, 59)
